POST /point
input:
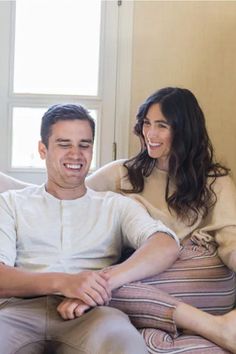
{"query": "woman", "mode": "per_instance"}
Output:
(176, 178)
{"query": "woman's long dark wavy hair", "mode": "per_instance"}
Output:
(191, 159)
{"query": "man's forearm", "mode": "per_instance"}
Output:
(156, 255)
(16, 282)
(88, 286)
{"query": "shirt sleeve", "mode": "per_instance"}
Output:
(7, 231)
(137, 225)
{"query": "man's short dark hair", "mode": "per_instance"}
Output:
(60, 112)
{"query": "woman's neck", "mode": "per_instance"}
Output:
(163, 165)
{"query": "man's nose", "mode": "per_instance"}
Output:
(75, 151)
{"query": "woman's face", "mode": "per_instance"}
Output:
(158, 136)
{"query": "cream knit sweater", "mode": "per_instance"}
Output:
(219, 225)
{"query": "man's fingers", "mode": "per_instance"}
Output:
(66, 309)
(71, 308)
(97, 288)
(102, 287)
(88, 286)
(80, 309)
(87, 299)
(103, 293)
(93, 298)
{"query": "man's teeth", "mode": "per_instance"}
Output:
(73, 166)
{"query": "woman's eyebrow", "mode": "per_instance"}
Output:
(158, 121)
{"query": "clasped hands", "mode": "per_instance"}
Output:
(83, 291)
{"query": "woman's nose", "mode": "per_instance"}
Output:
(152, 132)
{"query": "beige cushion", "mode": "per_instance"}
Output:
(7, 182)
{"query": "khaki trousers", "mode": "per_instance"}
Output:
(33, 326)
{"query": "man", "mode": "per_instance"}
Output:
(56, 238)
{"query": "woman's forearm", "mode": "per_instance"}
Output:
(153, 257)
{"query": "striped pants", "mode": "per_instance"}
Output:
(198, 278)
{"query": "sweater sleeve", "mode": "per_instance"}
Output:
(225, 212)
(220, 223)
(107, 178)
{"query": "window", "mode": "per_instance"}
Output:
(56, 48)
(65, 51)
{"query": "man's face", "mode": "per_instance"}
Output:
(69, 154)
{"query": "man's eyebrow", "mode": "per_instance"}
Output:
(61, 140)
(90, 141)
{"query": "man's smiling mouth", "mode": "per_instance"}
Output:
(73, 166)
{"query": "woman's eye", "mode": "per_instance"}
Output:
(163, 126)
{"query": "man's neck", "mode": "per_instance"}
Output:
(65, 193)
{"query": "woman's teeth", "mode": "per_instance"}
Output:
(154, 144)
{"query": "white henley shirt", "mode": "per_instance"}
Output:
(39, 232)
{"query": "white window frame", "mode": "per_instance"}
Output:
(112, 102)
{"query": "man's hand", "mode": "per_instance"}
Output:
(69, 309)
(89, 286)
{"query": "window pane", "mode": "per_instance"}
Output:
(57, 46)
(25, 137)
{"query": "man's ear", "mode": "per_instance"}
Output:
(42, 150)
